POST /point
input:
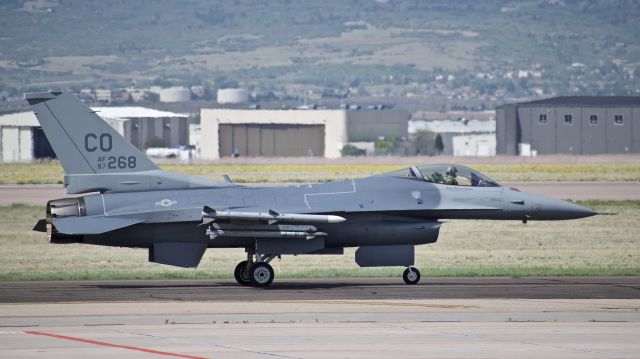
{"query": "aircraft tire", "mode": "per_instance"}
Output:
(241, 274)
(261, 274)
(411, 276)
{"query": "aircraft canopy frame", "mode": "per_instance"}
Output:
(448, 174)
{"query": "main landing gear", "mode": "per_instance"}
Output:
(411, 275)
(256, 272)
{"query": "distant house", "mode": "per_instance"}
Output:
(103, 95)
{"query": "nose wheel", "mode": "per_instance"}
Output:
(411, 275)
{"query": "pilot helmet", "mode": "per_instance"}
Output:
(451, 170)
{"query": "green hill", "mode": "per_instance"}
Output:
(372, 47)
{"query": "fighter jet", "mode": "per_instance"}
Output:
(129, 202)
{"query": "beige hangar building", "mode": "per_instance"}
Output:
(289, 133)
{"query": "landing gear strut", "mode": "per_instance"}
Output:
(411, 275)
(256, 272)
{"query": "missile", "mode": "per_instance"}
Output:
(271, 216)
(213, 233)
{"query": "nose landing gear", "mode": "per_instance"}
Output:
(411, 275)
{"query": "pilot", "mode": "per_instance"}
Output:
(436, 177)
(451, 176)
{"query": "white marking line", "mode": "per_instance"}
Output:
(354, 190)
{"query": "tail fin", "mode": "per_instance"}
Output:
(84, 142)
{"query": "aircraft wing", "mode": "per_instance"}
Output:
(92, 224)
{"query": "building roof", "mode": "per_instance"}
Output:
(27, 118)
(126, 112)
(584, 101)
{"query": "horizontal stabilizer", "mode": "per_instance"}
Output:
(41, 226)
(92, 224)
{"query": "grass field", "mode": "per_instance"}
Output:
(601, 245)
(46, 173)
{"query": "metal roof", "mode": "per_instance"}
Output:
(27, 118)
(127, 112)
(583, 101)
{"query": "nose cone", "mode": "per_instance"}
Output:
(551, 208)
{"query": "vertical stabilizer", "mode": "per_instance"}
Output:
(83, 142)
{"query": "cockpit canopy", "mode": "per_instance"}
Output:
(449, 174)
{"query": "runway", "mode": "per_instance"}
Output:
(606, 190)
(555, 317)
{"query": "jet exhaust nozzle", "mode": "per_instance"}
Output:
(61, 208)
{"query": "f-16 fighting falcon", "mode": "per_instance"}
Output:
(129, 202)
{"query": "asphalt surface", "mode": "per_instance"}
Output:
(40, 194)
(322, 289)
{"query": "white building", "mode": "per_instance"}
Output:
(233, 96)
(474, 145)
(16, 136)
(22, 139)
(461, 137)
(195, 135)
(174, 94)
(137, 95)
(103, 95)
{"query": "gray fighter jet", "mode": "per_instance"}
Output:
(130, 202)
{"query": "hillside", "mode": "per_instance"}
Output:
(476, 49)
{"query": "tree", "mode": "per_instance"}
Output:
(351, 150)
(424, 142)
(388, 146)
(151, 97)
(439, 144)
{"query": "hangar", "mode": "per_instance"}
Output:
(284, 133)
(581, 125)
(22, 138)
